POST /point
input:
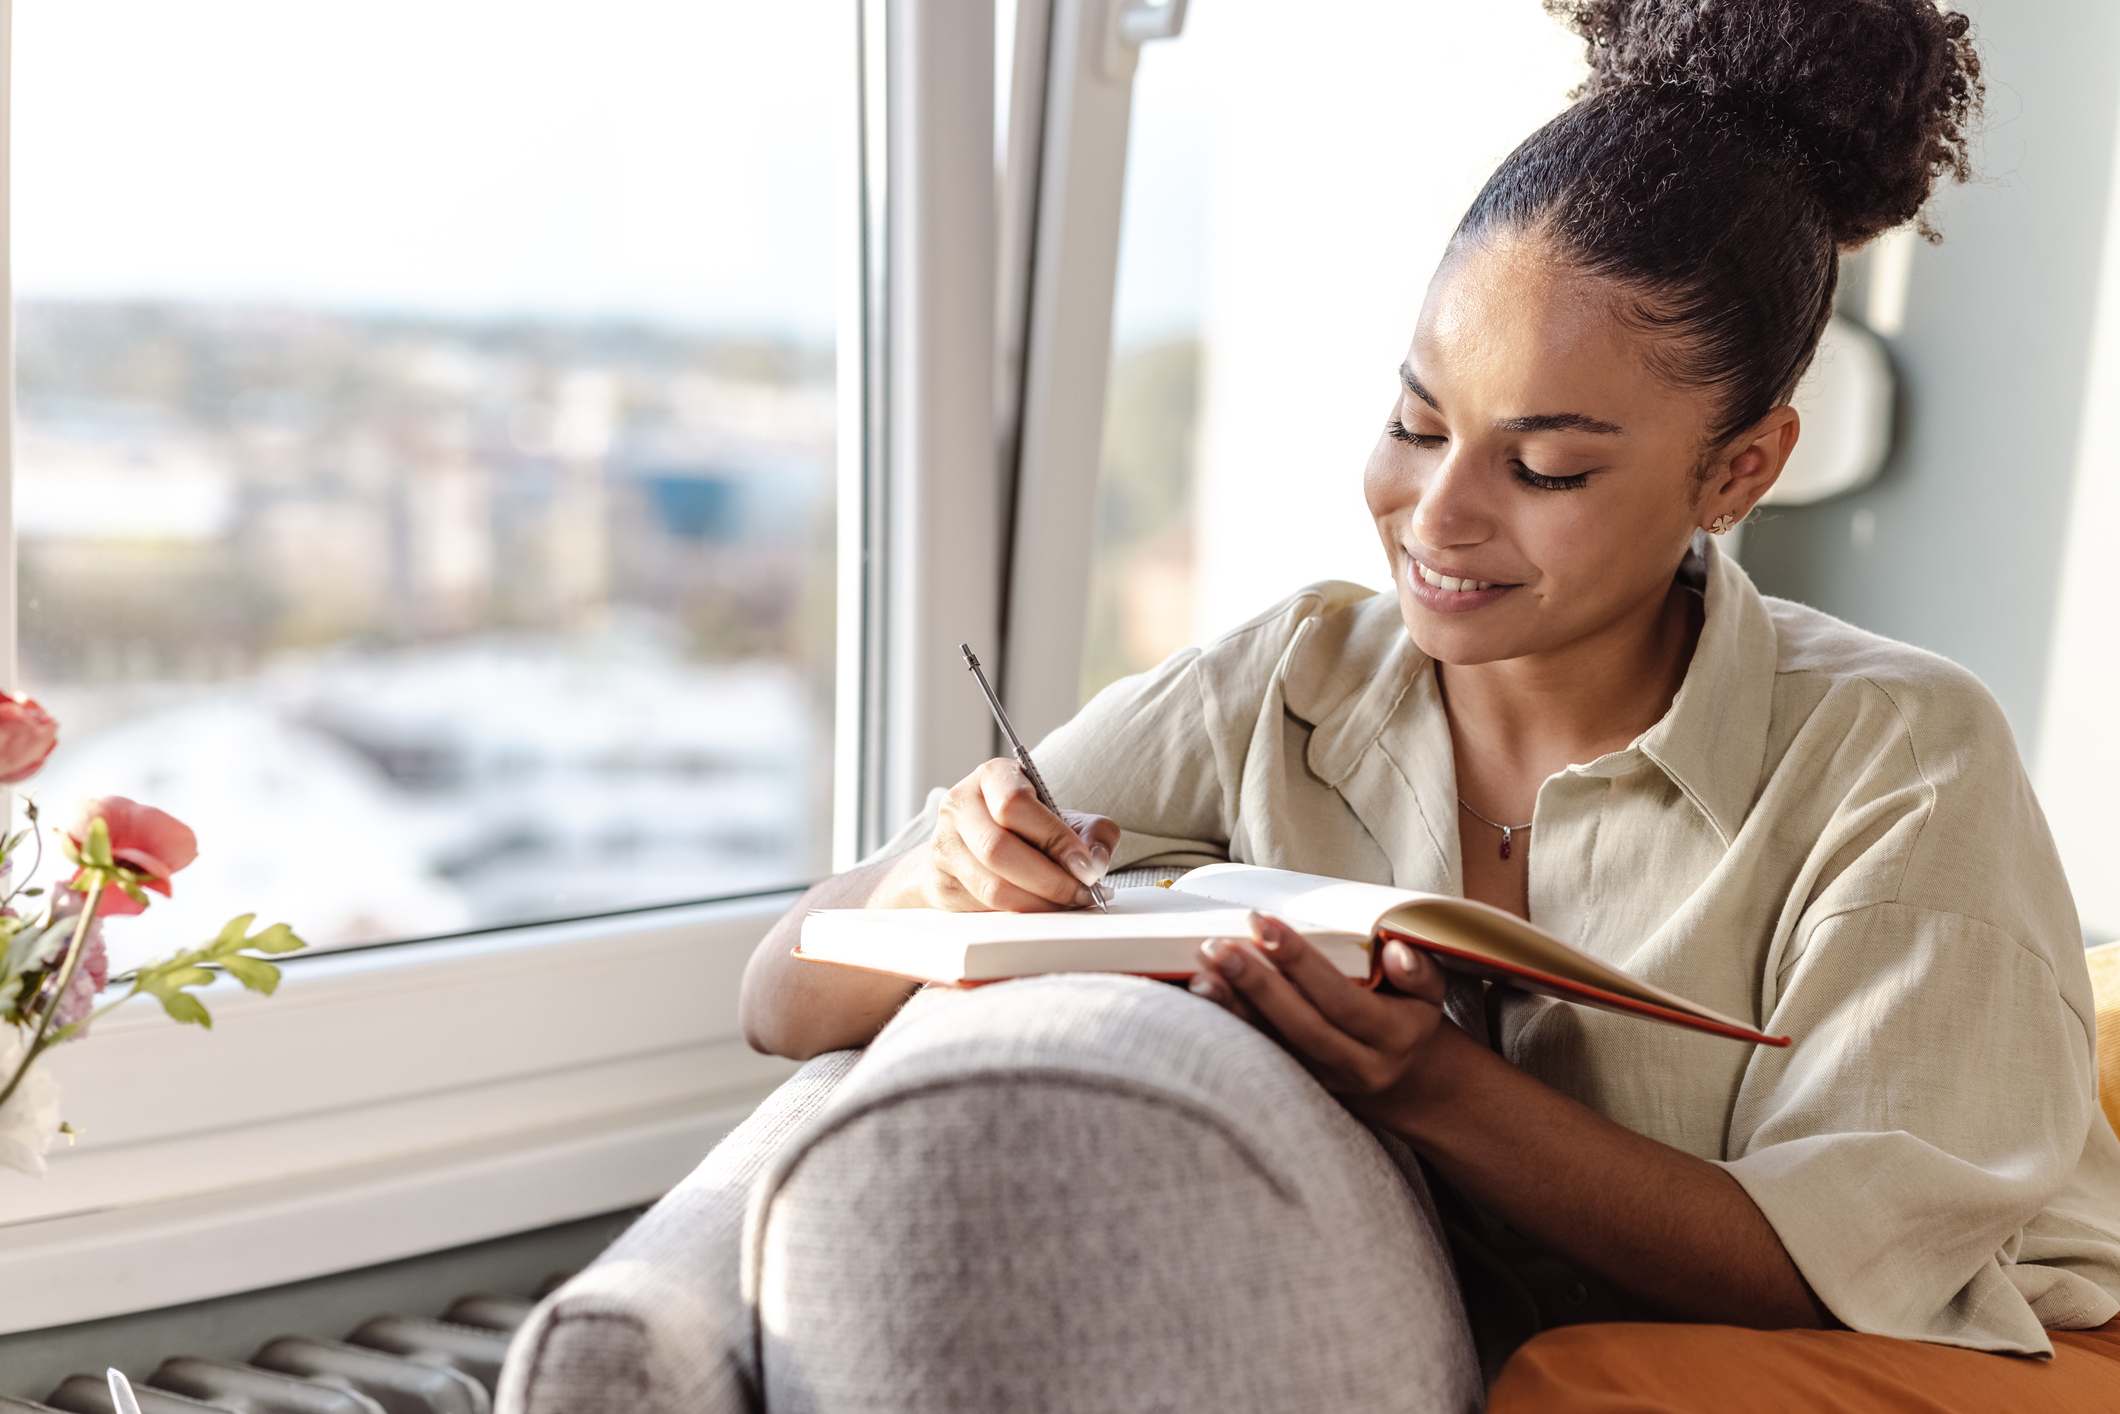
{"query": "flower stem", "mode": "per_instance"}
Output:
(66, 977)
(35, 864)
(108, 1007)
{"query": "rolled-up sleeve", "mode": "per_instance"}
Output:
(1144, 753)
(1935, 1099)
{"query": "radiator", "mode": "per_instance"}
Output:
(388, 1365)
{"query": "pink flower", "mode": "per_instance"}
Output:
(91, 973)
(153, 842)
(27, 736)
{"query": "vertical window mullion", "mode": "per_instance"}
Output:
(939, 494)
(858, 821)
(1067, 356)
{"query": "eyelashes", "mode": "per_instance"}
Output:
(1549, 483)
(1399, 432)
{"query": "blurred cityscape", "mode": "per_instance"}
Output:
(427, 624)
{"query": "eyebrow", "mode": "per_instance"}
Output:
(1534, 422)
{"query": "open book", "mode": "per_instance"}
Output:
(1156, 932)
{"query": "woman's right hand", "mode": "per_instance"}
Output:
(997, 849)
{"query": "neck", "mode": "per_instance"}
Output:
(1516, 721)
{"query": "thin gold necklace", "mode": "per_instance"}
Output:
(1508, 831)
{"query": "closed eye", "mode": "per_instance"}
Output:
(1399, 433)
(1550, 483)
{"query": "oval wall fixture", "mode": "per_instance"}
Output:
(1845, 400)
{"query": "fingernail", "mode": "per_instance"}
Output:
(1101, 857)
(1084, 898)
(1227, 957)
(1399, 955)
(1202, 985)
(1079, 865)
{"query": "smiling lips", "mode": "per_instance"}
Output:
(1451, 592)
(1455, 584)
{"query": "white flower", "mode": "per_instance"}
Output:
(29, 1121)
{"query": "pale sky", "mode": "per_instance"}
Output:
(641, 157)
(634, 156)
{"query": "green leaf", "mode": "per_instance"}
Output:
(251, 972)
(7, 846)
(32, 948)
(230, 938)
(172, 976)
(185, 1008)
(37, 892)
(278, 938)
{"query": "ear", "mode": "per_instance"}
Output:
(1750, 463)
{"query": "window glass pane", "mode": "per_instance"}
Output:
(1271, 262)
(424, 478)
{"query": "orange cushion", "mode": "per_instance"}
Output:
(2105, 989)
(1655, 1368)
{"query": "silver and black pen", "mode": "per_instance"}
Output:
(1023, 755)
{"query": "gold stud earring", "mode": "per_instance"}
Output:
(1721, 523)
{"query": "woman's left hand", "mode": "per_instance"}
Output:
(1367, 1047)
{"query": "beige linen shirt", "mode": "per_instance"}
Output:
(1828, 833)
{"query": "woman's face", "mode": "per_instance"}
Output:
(1531, 448)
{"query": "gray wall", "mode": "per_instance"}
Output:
(1992, 363)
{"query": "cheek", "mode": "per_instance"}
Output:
(1599, 548)
(1568, 547)
(1385, 486)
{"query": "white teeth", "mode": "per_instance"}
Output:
(1444, 581)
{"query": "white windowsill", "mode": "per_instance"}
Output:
(385, 1103)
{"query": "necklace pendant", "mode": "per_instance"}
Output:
(1506, 833)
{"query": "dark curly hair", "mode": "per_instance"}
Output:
(1721, 155)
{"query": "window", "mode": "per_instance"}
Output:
(424, 478)
(1289, 188)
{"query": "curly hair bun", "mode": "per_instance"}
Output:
(1874, 96)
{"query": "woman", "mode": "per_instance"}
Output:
(1577, 708)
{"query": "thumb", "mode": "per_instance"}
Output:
(1413, 972)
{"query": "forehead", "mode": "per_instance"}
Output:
(1507, 329)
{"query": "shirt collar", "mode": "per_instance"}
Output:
(1712, 742)
(1356, 677)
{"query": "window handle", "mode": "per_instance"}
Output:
(1144, 21)
(1129, 24)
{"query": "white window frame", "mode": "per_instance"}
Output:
(1069, 269)
(403, 1099)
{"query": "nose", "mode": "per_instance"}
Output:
(1450, 506)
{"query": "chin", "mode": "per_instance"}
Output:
(1458, 644)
